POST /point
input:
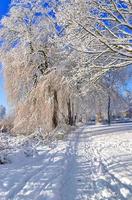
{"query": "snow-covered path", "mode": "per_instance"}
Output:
(93, 163)
(101, 168)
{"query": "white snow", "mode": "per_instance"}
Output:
(91, 163)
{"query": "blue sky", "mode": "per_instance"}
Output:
(4, 4)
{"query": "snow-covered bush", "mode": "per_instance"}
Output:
(6, 125)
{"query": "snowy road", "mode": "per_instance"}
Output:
(93, 163)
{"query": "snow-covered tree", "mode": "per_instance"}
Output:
(27, 41)
(113, 83)
(101, 31)
(31, 55)
(54, 53)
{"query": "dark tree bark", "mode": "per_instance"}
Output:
(43, 66)
(73, 115)
(55, 111)
(109, 110)
(31, 48)
(70, 117)
(35, 80)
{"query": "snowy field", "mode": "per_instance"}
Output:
(92, 163)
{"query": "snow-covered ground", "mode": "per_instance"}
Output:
(91, 163)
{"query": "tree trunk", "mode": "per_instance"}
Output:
(31, 48)
(55, 111)
(70, 118)
(109, 110)
(73, 115)
(99, 118)
(43, 66)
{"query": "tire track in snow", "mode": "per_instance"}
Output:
(81, 173)
(106, 180)
(87, 176)
(68, 179)
(49, 172)
(14, 192)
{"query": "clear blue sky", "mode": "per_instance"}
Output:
(4, 5)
